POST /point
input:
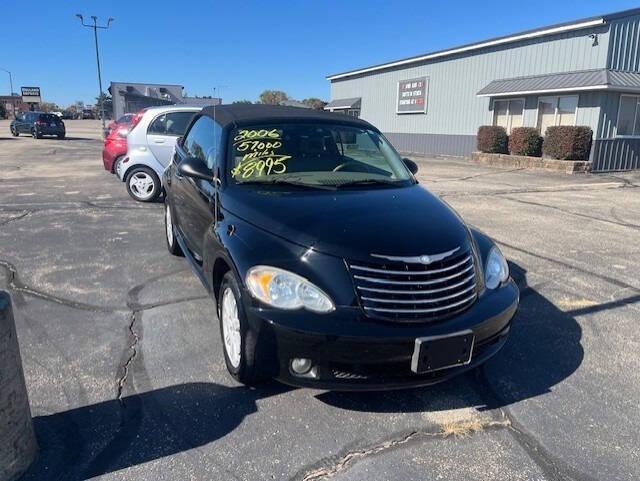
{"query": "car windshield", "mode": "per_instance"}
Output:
(321, 154)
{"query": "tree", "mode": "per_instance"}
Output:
(48, 107)
(245, 101)
(108, 104)
(315, 103)
(273, 97)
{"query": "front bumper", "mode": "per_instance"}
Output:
(353, 352)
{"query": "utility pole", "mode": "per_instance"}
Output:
(13, 100)
(95, 28)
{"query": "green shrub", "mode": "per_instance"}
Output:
(567, 143)
(492, 139)
(525, 141)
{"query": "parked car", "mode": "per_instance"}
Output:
(123, 120)
(88, 114)
(330, 265)
(115, 143)
(37, 124)
(67, 115)
(149, 148)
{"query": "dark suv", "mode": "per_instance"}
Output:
(38, 124)
(331, 267)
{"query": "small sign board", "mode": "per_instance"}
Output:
(31, 95)
(412, 96)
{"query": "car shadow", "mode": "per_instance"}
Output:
(101, 438)
(543, 349)
(77, 138)
(78, 444)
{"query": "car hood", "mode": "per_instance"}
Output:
(355, 223)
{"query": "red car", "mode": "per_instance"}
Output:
(115, 144)
(121, 122)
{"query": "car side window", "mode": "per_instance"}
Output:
(158, 126)
(203, 141)
(171, 123)
(177, 122)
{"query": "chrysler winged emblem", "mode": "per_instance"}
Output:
(423, 259)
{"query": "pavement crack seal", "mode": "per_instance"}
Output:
(133, 352)
(610, 280)
(449, 430)
(552, 467)
(14, 283)
(16, 218)
(573, 213)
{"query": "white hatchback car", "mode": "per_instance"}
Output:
(149, 148)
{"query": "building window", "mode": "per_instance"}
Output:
(628, 113)
(508, 113)
(556, 111)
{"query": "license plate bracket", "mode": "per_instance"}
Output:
(434, 353)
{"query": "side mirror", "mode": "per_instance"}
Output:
(195, 168)
(179, 141)
(411, 165)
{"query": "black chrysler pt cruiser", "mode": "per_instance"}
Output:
(330, 265)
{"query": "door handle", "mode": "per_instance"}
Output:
(158, 141)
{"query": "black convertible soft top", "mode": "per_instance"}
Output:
(243, 114)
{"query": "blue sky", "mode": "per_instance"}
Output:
(245, 47)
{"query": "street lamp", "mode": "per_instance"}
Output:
(13, 101)
(95, 28)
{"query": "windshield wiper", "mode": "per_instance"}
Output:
(297, 183)
(369, 182)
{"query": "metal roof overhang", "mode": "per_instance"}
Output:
(507, 39)
(352, 103)
(578, 81)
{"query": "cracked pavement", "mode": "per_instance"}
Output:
(126, 377)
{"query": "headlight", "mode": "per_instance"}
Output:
(285, 290)
(496, 270)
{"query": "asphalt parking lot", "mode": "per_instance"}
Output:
(126, 378)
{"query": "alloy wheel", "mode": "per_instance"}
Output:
(142, 185)
(231, 327)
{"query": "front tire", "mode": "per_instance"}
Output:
(61, 136)
(14, 132)
(242, 354)
(170, 232)
(143, 184)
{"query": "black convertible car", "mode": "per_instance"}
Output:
(330, 265)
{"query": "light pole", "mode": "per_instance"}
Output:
(13, 101)
(95, 28)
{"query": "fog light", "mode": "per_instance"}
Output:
(301, 366)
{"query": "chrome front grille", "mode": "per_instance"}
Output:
(413, 292)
